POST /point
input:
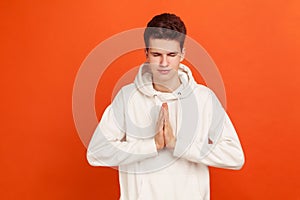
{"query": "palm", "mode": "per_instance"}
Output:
(164, 136)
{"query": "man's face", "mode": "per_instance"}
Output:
(164, 57)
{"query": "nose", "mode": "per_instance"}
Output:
(164, 61)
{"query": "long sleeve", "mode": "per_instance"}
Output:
(109, 147)
(216, 143)
(227, 152)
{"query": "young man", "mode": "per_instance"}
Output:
(164, 130)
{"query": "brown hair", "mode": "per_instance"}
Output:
(165, 26)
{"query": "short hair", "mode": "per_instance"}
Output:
(165, 26)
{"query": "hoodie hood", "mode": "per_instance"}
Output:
(143, 83)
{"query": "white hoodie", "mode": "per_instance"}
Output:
(204, 135)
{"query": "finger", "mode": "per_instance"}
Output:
(160, 127)
(166, 112)
(160, 120)
(165, 105)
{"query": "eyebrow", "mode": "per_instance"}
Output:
(172, 52)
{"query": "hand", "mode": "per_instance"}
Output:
(159, 137)
(164, 136)
(169, 137)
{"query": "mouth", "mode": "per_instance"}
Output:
(164, 71)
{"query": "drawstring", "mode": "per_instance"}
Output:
(177, 114)
(156, 100)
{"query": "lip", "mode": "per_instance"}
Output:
(164, 71)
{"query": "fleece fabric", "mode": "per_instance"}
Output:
(205, 136)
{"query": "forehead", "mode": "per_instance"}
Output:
(164, 45)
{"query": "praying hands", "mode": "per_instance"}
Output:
(164, 136)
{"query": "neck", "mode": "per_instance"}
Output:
(166, 86)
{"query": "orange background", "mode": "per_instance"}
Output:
(255, 45)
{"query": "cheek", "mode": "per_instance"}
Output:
(153, 60)
(175, 63)
(153, 67)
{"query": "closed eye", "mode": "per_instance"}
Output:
(155, 54)
(173, 54)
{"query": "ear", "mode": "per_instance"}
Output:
(146, 53)
(182, 54)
